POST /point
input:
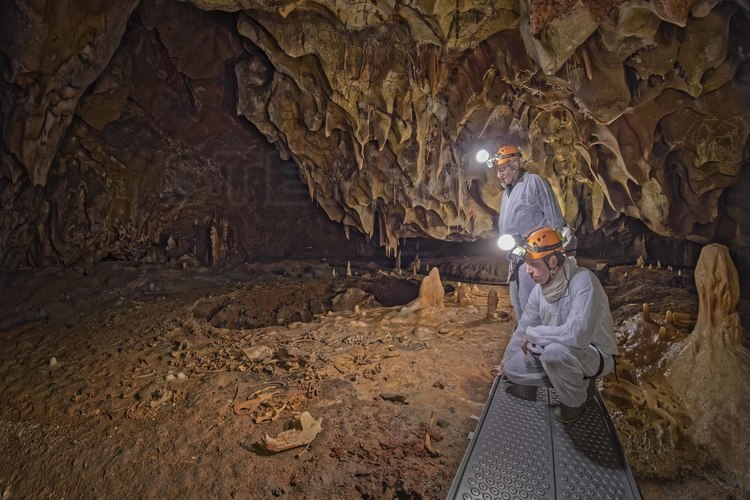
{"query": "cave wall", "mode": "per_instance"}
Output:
(153, 163)
(140, 129)
(636, 115)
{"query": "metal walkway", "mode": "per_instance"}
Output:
(519, 450)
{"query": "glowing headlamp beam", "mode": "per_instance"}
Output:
(507, 242)
(483, 155)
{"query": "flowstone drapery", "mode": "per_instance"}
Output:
(636, 112)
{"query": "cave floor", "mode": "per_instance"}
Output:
(154, 382)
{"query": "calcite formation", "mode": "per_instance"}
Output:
(624, 112)
(431, 293)
(129, 130)
(147, 162)
(713, 368)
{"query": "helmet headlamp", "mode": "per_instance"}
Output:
(507, 242)
(483, 156)
(537, 244)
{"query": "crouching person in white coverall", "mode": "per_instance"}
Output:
(565, 337)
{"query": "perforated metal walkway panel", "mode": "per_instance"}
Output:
(519, 451)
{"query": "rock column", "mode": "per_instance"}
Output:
(711, 372)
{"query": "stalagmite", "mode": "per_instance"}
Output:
(647, 313)
(462, 295)
(711, 371)
(348, 268)
(431, 293)
(645, 141)
(415, 265)
(683, 320)
(492, 301)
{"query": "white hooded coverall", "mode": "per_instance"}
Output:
(527, 205)
(566, 330)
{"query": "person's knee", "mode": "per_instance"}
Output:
(554, 354)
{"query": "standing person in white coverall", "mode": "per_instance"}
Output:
(528, 203)
(565, 337)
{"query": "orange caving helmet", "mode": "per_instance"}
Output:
(505, 154)
(542, 242)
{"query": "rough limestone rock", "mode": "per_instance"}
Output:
(713, 367)
(492, 301)
(431, 292)
(352, 298)
(610, 107)
(151, 164)
(54, 51)
(462, 295)
(138, 130)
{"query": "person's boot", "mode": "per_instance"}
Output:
(568, 414)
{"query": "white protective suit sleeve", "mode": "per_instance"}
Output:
(531, 204)
(579, 329)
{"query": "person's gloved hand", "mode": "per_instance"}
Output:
(529, 347)
(534, 349)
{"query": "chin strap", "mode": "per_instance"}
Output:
(509, 187)
(551, 274)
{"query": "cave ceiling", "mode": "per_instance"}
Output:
(634, 110)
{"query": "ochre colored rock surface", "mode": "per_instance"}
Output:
(712, 369)
(431, 292)
(137, 124)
